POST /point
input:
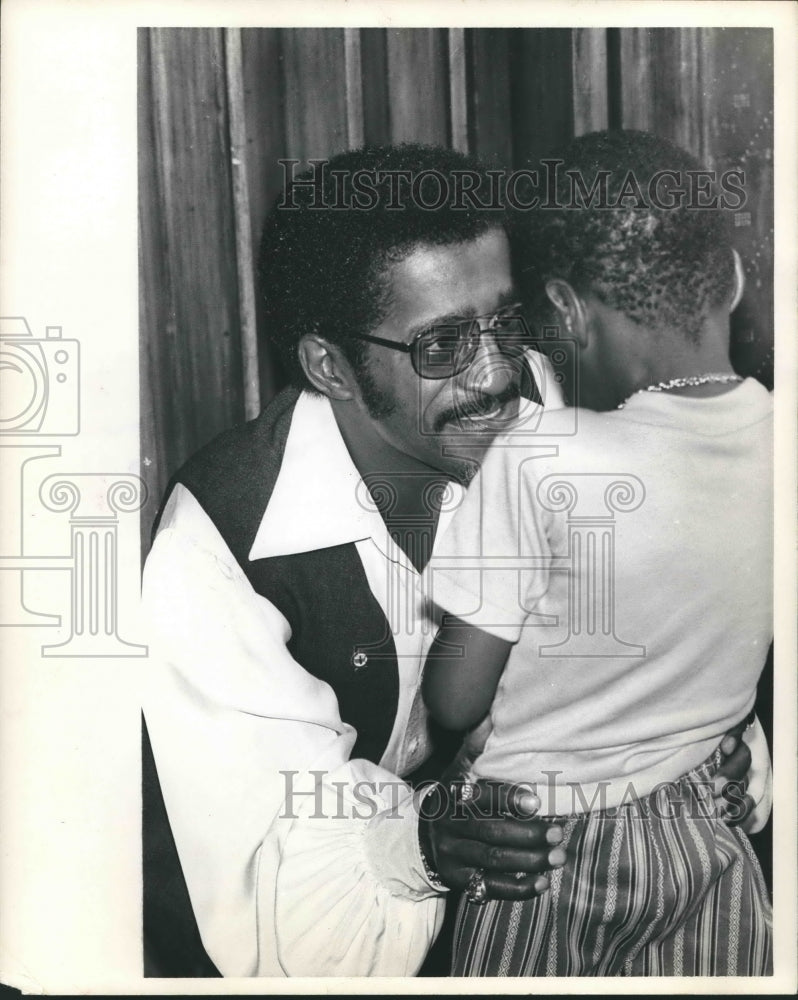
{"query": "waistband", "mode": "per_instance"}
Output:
(691, 794)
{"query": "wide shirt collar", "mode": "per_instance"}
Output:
(320, 499)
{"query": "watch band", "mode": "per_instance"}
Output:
(432, 876)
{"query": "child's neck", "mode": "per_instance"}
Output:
(673, 356)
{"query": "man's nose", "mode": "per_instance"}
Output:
(491, 371)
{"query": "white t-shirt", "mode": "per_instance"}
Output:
(628, 555)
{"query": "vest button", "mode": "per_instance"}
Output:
(359, 660)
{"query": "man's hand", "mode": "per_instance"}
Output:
(731, 778)
(738, 773)
(488, 827)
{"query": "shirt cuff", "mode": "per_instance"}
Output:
(352, 897)
(393, 850)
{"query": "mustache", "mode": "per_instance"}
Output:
(476, 405)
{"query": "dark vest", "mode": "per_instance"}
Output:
(338, 633)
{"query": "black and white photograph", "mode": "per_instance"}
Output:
(400, 478)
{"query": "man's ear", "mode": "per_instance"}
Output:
(739, 282)
(327, 369)
(570, 309)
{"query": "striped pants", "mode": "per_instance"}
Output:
(658, 887)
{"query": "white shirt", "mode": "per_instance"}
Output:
(299, 887)
(596, 711)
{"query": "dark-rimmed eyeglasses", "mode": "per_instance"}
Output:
(445, 350)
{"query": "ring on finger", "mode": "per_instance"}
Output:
(476, 890)
(466, 790)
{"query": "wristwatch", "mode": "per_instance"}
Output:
(424, 843)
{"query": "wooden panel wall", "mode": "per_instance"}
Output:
(219, 109)
(738, 127)
(190, 337)
(418, 85)
(491, 133)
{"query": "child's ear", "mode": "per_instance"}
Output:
(570, 308)
(739, 282)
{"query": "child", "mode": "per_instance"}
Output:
(619, 624)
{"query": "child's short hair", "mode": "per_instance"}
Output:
(639, 224)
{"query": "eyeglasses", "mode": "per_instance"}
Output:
(447, 349)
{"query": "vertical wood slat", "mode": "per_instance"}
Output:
(354, 87)
(709, 73)
(636, 102)
(661, 84)
(692, 107)
(193, 333)
(542, 92)
(490, 94)
(676, 100)
(376, 104)
(458, 94)
(591, 106)
(315, 92)
(242, 222)
(261, 66)
(266, 145)
(154, 308)
(418, 85)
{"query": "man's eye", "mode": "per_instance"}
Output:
(440, 348)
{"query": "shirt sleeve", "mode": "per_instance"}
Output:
(492, 563)
(298, 861)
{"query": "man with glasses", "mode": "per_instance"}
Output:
(287, 621)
